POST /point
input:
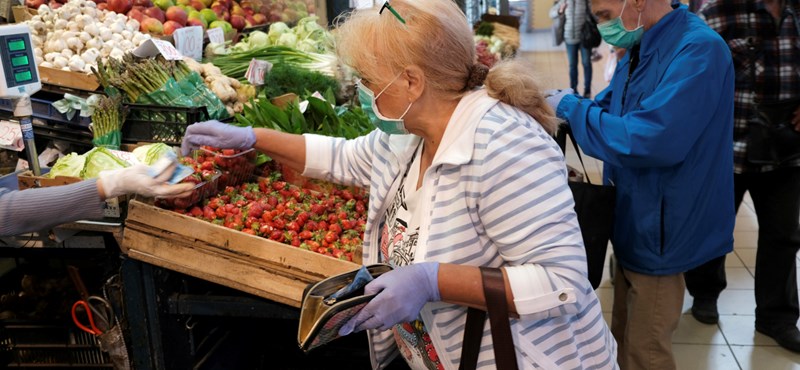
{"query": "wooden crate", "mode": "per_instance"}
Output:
(256, 265)
(69, 79)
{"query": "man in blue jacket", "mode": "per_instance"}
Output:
(664, 130)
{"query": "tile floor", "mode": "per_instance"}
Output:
(733, 343)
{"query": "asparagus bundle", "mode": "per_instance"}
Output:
(107, 120)
(137, 77)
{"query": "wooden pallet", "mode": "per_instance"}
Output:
(252, 264)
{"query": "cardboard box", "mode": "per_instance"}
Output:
(252, 264)
(22, 13)
(69, 79)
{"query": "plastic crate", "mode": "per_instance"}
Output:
(43, 109)
(201, 191)
(29, 345)
(236, 168)
(155, 123)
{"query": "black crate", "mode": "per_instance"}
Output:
(159, 124)
(30, 344)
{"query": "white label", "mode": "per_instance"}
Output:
(153, 47)
(216, 35)
(11, 136)
(256, 71)
(111, 208)
(189, 41)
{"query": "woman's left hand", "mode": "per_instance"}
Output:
(401, 294)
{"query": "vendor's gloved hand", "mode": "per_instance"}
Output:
(217, 134)
(401, 294)
(553, 97)
(139, 179)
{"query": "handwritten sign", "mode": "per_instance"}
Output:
(11, 136)
(216, 35)
(256, 71)
(189, 41)
(153, 47)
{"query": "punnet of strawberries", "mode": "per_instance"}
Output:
(327, 223)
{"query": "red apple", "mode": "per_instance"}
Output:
(120, 6)
(171, 26)
(156, 13)
(136, 14)
(237, 10)
(226, 16)
(260, 18)
(238, 22)
(249, 19)
(152, 25)
(198, 4)
(196, 22)
(35, 4)
(218, 9)
(249, 11)
(177, 15)
(143, 3)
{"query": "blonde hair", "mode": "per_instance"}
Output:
(437, 38)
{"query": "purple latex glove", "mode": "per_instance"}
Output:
(401, 294)
(217, 134)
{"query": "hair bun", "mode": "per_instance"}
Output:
(477, 74)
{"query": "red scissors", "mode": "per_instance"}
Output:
(99, 311)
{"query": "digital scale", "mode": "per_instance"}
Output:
(19, 79)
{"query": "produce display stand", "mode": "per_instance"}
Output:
(256, 265)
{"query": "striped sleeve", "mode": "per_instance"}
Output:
(526, 208)
(340, 161)
(24, 211)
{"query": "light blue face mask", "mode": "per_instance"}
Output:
(615, 33)
(391, 126)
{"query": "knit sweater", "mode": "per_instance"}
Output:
(36, 209)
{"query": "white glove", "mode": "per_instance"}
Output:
(553, 97)
(137, 179)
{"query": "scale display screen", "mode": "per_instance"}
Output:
(19, 75)
(16, 45)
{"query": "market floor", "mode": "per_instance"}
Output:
(733, 343)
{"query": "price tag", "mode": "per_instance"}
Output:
(11, 136)
(153, 47)
(189, 41)
(216, 35)
(256, 71)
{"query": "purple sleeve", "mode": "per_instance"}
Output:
(37, 209)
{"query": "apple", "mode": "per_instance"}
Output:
(197, 22)
(249, 11)
(250, 20)
(218, 9)
(183, 2)
(208, 15)
(171, 26)
(260, 19)
(163, 4)
(237, 10)
(143, 3)
(226, 16)
(156, 13)
(35, 4)
(120, 6)
(198, 5)
(177, 15)
(136, 14)
(207, 3)
(152, 25)
(238, 22)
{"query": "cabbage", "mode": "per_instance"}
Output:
(276, 30)
(258, 39)
(69, 165)
(149, 154)
(288, 39)
(100, 159)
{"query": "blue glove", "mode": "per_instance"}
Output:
(217, 134)
(554, 97)
(401, 294)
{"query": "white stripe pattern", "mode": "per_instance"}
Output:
(508, 205)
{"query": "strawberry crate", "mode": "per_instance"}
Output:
(236, 166)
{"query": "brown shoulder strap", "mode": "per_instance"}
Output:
(494, 289)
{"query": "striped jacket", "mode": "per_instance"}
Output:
(499, 198)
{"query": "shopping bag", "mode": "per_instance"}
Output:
(594, 205)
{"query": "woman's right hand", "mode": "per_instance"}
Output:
(217, 134)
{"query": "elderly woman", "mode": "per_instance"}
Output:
(459, 177)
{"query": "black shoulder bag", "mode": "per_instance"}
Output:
(772, 138)
(590, 35)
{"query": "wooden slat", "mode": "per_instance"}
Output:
(207, 265)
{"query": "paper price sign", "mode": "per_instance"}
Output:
(256, 71)
(189, 41)
(154, 47)
(216, 36)
(11, 136)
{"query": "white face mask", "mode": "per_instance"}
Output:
(391, 126)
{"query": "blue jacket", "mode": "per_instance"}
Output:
(669, 150)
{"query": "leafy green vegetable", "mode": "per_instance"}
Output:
(149, 154)
(69, 165)
(284, 79)
(485, 29)
(100, 159)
